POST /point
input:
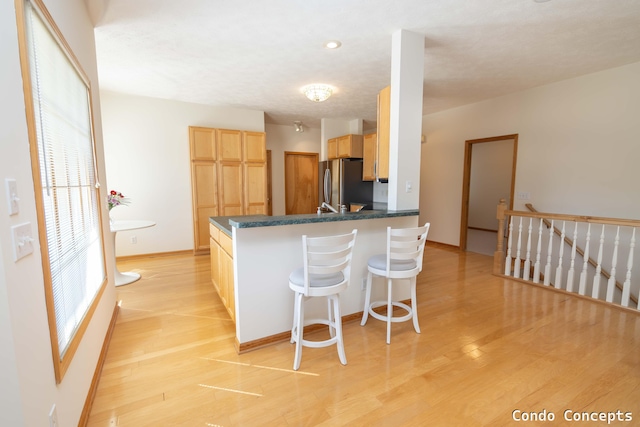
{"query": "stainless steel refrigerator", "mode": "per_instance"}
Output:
(341, 183)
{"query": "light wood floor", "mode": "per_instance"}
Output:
(488, 346)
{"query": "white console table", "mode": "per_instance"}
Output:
(126, 225)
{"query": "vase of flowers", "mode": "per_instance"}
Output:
(115, 198)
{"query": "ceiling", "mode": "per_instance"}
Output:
(258, 54)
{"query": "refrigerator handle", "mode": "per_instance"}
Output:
(327, 186)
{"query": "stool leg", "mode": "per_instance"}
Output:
(337, 320)
(389, 310)
(295, 318)
(299, 330)
(414, 305)
(332, 330)
(367, 300)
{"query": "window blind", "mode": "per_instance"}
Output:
(62, 117)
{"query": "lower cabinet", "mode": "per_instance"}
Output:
(221, 253)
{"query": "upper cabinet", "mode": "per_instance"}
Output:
(384, 122)
(345, 147)
(255, 147)
(229, 145)
(369, 151)
(332, 147)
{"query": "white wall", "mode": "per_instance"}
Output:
(578, 149)
(25, 346)
(284, 138)
(147, 158)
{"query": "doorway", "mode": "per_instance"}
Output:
(300, 183)
(489, 175)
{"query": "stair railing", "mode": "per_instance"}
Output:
(529, 249)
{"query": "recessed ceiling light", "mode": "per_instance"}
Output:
(332, 44)
(541, 1)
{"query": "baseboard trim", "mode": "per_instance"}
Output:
(88, 403)
(286, 336)
(444, 246)
(156, 255)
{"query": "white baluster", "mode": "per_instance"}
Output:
(527, 259)
(582, 287)
(516, 267)
(595, 292)
(611, 284)
(558, 282)
(573, 259)
(626, 286)
(547, 267)
(507, 261)
(536, 266)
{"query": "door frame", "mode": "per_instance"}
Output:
(466, 180)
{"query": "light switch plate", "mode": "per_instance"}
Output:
(12, 196)
(22, 240)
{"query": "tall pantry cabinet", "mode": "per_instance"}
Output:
(228, 177)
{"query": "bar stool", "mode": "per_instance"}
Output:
(325, 273)
(403, 260)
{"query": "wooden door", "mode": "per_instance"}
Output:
(301, 183)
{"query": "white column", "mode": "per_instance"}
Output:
(407, 75)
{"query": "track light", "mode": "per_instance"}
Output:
(298, 126)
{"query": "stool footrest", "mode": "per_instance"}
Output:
(382, 317)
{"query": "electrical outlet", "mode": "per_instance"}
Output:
(134, 240)
(363, 285)
(53, 417)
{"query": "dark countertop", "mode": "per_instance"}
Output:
(249, 221)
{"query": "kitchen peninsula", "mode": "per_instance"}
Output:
(252, 257)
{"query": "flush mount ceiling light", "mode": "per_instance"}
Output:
(298, 125)
(317, 92)
(332, 44)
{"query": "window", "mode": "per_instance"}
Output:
(57, 95)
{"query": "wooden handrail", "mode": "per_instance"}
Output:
(579, 250)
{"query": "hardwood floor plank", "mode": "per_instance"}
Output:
(488, 346)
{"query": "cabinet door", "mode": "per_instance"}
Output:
(202, 147)
(332, 148)
(227, 284)
(255, 147)
(215, 263)
(369, 148)
(344, 146)
(230, 187)
(202, 142)
(255, 188)
(229, 145)
(384, 122)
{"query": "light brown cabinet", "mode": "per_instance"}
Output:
(384, 124)
(350, 146)
(204, 183)
(228, 177)
(369, 151)
(343, 147)
(332, 148)
(221, 253)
